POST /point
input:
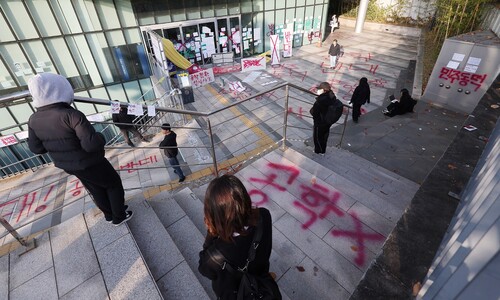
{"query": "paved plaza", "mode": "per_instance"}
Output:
(331, 215)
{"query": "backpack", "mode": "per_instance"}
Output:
(252, 287)
(333, 113)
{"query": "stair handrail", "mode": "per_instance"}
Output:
(23, 94)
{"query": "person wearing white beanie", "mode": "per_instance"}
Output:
(73, 144)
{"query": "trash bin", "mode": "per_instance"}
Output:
(187, 94)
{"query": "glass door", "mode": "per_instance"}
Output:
(208, 41)
(223, 35)
(235, 36)
(192, 44)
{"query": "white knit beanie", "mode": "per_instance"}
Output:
(49, 88)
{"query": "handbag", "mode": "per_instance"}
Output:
(251, 286)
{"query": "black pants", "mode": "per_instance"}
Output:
(105, 185)
(320, 137)
(134, 131)
(356, 111)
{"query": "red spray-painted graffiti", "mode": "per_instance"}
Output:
(360, 236)
(315, 200)
(289, 70)
(22, 206)
(463, 78)
(133, 164)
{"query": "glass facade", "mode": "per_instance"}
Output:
(99, 45)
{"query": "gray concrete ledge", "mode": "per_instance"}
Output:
(388, 28)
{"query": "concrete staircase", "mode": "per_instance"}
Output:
(324, 259)
(82, 258)
(331, 215)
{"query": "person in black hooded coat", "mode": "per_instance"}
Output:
(360, 96)
(321, 129)
(73, 144)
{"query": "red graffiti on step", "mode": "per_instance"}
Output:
(20, 208)
(314, 201)
(360, 236)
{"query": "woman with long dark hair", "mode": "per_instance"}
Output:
(231, 224)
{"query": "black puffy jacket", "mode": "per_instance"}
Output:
(67, 135)
(123, 117)
(223, 283)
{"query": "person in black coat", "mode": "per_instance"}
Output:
(73, 144)
(399, 107)
(360, 96)
(170, 141)
(334, 52)
(321, 130)
(126, 125)
(231, 223)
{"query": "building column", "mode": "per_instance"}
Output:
(360, 20)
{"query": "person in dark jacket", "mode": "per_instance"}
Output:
(321, 130)
(73, 144)
(360, 96)
(126, 125)
(334, 51)
(231, 222)
(399, 107)
(170, 141)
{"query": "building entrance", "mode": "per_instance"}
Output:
(197, 40)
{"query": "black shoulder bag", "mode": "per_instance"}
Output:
(252, 286)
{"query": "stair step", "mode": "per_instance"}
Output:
(184, 233)
(193, 207)
(386, 205)
(309, 281)
(284, 254)
(161, 253)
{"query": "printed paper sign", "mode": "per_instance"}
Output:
(151, 111)
(236, 86)
(452, 64)
(470, 69)
(134, 109)
(115, 107)
(474, 61)
(458, 57)
(253, 63)
(22, 135)
(201, 78)
(7, 140)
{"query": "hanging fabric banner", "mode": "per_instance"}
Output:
(287, 43)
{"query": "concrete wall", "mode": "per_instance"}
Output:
(396, 29)
(414, 9)
(466, 267)
(458, 83)
(492, 20)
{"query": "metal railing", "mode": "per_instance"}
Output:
(253, 125)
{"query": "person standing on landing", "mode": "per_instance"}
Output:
(73, 144)
(170, 141)
(334, 51)
(360, 96)
(127, 126)
(321, 130)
